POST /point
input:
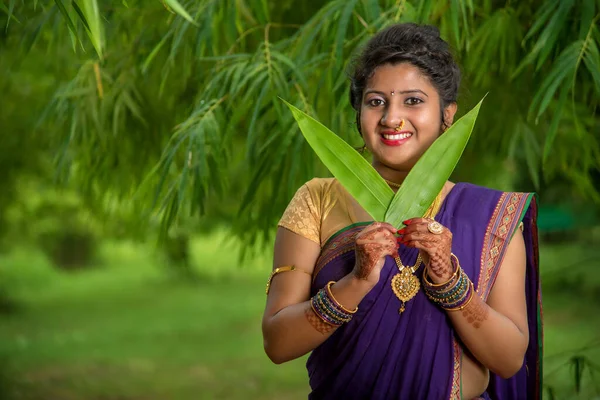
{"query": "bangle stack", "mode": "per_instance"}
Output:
(455, 293)
(329, 309)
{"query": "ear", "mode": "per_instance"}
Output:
(449, 113)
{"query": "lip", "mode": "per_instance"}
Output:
(394, 143)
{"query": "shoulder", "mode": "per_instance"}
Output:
(320, 188)
(320, 184)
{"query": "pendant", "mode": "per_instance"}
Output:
(405, 286)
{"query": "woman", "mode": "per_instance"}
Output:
(344, 287)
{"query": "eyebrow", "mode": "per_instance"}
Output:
(401, 92)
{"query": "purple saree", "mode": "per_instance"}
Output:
(382, 354)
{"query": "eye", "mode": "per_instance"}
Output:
(375, 102)
(413, 101)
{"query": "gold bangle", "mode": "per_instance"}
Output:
(285, 268)
(452, 278)
(466, 303)
(337, 302)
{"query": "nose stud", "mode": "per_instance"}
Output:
(400, 126)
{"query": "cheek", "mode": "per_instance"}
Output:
(427, 121)
(369, 119)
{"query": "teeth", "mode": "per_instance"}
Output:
(399, 136)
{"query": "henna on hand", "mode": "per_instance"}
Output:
(368, 256)
(476, 312)
(372, 245)
(316, 322)
(435, 249)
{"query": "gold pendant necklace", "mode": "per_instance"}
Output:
(405, 284)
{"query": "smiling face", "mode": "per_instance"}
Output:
(399, 128)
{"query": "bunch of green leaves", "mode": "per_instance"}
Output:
(419, 189)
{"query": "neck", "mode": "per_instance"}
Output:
(389, 174)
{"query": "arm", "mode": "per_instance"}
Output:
(496, 332)
(290, 326)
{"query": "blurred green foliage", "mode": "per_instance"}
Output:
(168, 111)
(124, 331)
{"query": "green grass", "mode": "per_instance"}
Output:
(124, 331)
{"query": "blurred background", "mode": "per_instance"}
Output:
(145, 159)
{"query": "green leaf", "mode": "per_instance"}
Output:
(9, 13)
(178, 8)
(70, 23)
(89, 13)
(343, 27)
(11, 8)
(357, 176)
(426, 179)
(555, 121)
(154, 52)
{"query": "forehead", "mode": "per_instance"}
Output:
(398, 77)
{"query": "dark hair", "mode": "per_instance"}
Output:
(419, 45)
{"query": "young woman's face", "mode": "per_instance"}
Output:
(400, 115)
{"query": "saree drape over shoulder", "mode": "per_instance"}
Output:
(382, 354)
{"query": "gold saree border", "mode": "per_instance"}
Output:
(505, 220)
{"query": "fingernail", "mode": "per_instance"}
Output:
(407, 221)
(401, 231)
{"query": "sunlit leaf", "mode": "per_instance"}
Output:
(354, 173)
(426, 179)
(178, 8)
(89, 13)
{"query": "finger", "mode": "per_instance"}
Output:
(416, 221)
(375, 235)
(421, 236)
(389, 227)
(416, 227)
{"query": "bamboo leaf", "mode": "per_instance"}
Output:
(89, 13)
(343, 27)
(154, 52)
(178, 8)
(426, 179)
(67, 17)
(354, 172)
(555, 121)
(11, 8)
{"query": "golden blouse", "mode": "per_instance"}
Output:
(320, 208)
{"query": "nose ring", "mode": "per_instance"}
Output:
(400, 126)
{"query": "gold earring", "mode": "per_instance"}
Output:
(400, 126)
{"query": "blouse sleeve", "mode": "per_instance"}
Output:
(302, 215)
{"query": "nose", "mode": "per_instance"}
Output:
(391, 117)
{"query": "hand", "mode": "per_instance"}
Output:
(372, 245)
(435, 249)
